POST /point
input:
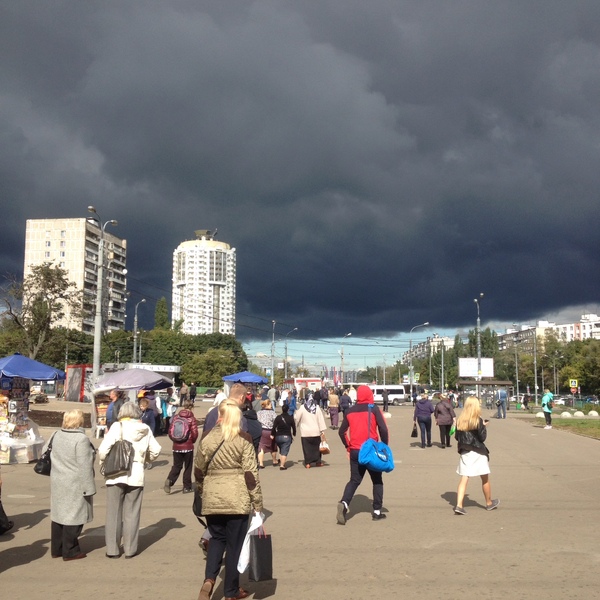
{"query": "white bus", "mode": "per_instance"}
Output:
(396, 393)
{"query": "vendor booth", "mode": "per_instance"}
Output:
(20, 441)
(246, 377)
(130, 380)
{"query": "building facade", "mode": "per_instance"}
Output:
(204, 276)
(73, 244)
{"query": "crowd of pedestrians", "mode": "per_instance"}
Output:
(232, 447)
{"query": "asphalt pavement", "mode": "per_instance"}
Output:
(540, 543)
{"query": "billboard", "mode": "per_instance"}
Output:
(467, 367)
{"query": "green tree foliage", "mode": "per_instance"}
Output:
(37, 303)
(67, 345)
(209, 368)
(117, 346)
(161, 315)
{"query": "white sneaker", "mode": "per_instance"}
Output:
(548, 427)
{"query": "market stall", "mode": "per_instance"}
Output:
(20, 441)
(130, 380)
(248, 378)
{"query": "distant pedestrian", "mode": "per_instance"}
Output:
(184, 392)
(311, 427)
(501, 403)
(183, 450)
(345, 402)
(444, 419)
(193, 391)
(386, 399)
(266, 416)
(471, 433)
(422, 416)
(334, 409)
(283, 433)
(354, 432)
(547, 404)
(293, 402)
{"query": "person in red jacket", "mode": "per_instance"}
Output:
(183, 452)
(353, 433)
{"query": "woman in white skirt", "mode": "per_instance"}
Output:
(471, 432)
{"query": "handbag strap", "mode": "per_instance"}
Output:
(214, 454)
(369, 422)
(49, 448)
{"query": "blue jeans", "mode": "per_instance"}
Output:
(425, 426)
(502, 409)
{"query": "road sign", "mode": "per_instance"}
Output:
(573, 383)
(573, 390)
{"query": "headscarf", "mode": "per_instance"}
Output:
(310, 405)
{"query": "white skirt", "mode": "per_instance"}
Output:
(472, 464)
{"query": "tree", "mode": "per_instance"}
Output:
(210, 367)
(40, 301)
(161, 315)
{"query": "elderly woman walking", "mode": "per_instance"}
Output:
(72, 486)
(311, 426)
(124, 494)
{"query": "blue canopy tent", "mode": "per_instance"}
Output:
(18, 365)
(245, 377)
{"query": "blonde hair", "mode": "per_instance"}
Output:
(469, 418)
(266, 405)
(72, 419)
(230, 417)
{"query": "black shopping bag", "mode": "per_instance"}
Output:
(261, 557)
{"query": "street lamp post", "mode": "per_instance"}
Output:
(135, 329)
(273, 356)
(516, 363)
(410, 361)
(286, 353)
(342, 357)
(477, 302)
(99, 286)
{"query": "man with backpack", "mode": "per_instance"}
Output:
(183, 432)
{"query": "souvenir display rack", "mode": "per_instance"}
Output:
(20, 441)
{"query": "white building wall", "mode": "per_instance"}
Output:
(204, 285)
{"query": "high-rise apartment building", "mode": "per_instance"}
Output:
(73, 244)
(204, 285)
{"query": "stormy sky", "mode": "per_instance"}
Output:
(375, 164)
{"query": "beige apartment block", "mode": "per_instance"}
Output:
(204, 276)
(73, 244)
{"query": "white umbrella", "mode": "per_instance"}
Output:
(132, 379)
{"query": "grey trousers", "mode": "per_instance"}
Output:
(123, 509)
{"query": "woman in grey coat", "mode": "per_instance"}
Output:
(72, 486)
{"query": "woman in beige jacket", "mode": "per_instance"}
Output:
(227, 476)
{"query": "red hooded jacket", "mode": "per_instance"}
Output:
(354, 430)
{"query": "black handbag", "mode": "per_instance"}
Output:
(44, 464)
(261, 557)
(413, 433)
(119, 459)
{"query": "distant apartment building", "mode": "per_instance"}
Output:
(73, 244)
(429, 347)
(204, 275)
(587, 328)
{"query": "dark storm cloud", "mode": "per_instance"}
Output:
(375, 164)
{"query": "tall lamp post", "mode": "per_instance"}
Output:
(273, 356)
(478, 302)
(342, 357)
(135, 329)
(516, 340)
(99, 286)
(410, 362)
(286, 354)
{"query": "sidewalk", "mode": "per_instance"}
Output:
(540, 543)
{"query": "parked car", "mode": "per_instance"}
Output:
(592, 400)
(211, 393)
(560, 401)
